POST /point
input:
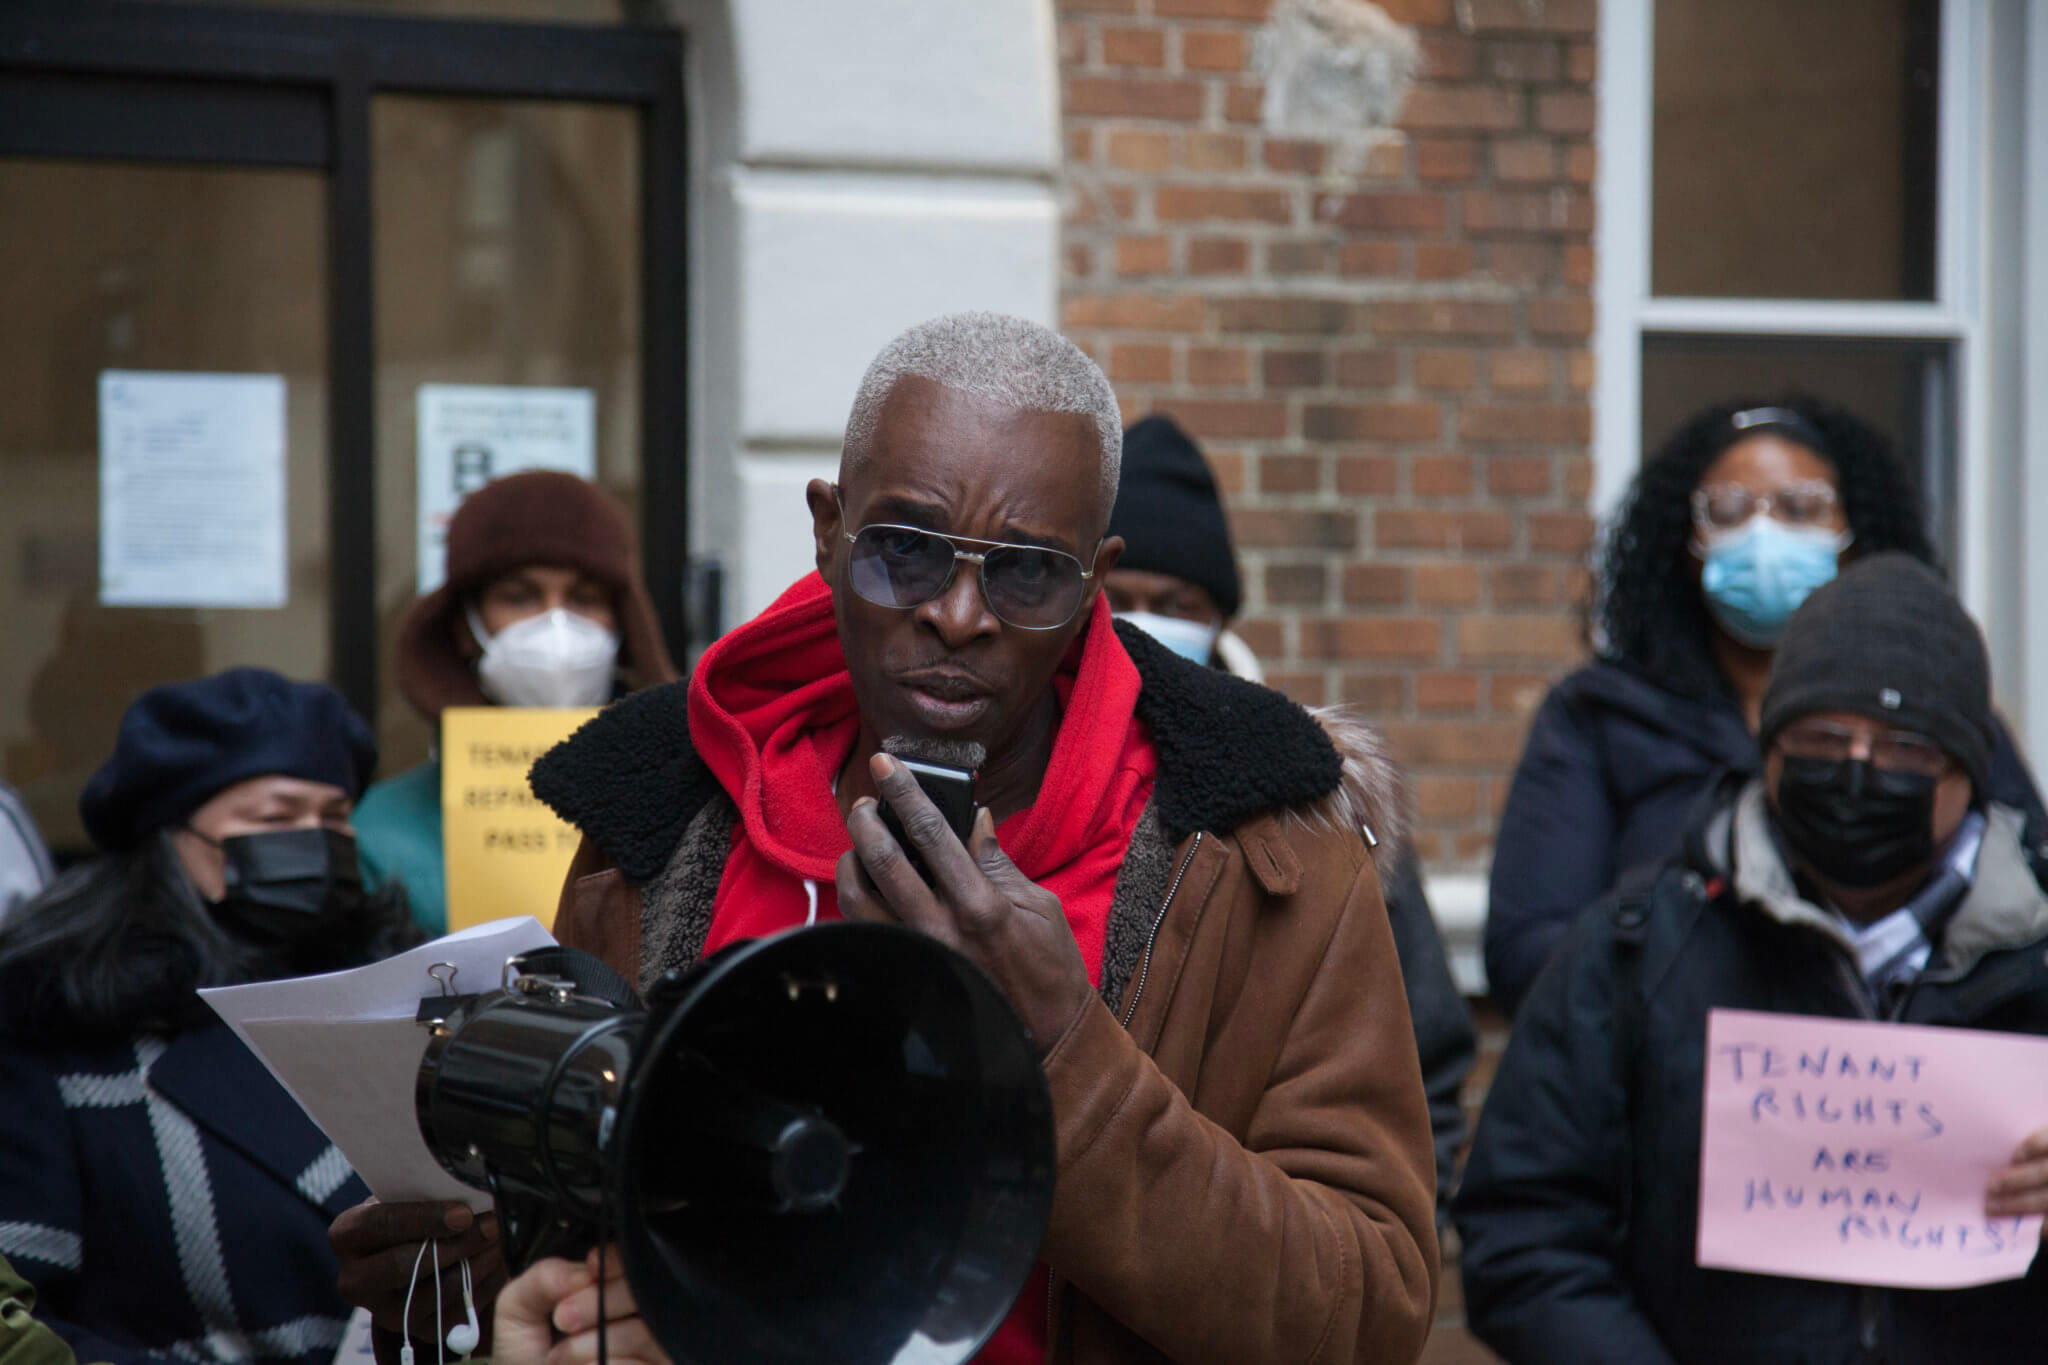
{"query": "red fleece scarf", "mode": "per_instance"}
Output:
(772, 714)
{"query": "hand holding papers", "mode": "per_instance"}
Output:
(347, 1047)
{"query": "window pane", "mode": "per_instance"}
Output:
(1902, 388)
(508, 253)
(160, 268)
(1793, 147)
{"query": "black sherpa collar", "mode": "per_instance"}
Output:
(1228, 751)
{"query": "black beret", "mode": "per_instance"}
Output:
(182, 743)
(1169, 512)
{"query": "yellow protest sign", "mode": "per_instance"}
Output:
(506, 853)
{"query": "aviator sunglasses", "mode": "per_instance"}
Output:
(1030, 587)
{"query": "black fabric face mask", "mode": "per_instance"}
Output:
(1856, 825)
(284, 886)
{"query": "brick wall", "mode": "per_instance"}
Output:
(1390, 369)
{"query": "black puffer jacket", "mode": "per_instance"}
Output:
(1579, 1205)
(1615, 768)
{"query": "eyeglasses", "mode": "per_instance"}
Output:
(1026, 586)
(1897, 751)
(1718, 508)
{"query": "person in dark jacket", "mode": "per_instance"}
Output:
(1864, 874)
(1741, 513)
(1178, 582)
(166, 1196)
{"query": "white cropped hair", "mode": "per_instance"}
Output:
(1009, 361)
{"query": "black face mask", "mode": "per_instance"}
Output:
(1856, 825)
(285, 886)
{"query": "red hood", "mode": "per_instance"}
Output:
(772, 714)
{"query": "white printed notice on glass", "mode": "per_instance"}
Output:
(192, 489)
(470, 434)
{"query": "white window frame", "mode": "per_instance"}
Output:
(1991, 218)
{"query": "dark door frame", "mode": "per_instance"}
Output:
(162, 82)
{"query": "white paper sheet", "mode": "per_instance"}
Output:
(192, 489)
(347, 1048)
(470, 434)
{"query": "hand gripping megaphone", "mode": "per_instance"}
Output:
(835, 1144)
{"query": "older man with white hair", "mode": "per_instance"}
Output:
(1173, 877)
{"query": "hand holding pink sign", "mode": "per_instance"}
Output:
(1861, 1152)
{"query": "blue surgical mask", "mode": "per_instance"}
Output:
(1195, 640)
(1756, 576)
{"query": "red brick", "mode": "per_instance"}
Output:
(1446, 798)
(1383, 692)
(1441, 476)
(1285, 528)
(1244, 103)
(1558, 210)
(1298, 258)
(1367, 475)
(1371, 422)
(1413, 528)
(1448, 57)
(1578, 476)
(1229, 418)
(1100, 6)
(1578, 266)
(1441, 317)
(1135, 312)
(1135, 364)
(1528, 263)
(1438, 691)
(1201, 50)
(1443, 260)
(1580, 63)
(1561, 317)
(1565, 112)
(1447, 585)
(1463, 744)
(1305, 316)
(1228, 466)
(1293, 369)
(1518, 476)
(1370, 258)
(1373, 637)
(1385, 160)
(1143, 256)
(1264, 637)
(1133, 149)
(1133, 47)
(1581, 163)
(1519, 369)
(1529, 423)
(1295, 584)
(1303, 689)
(1080, 261)
(1473, 844)
(1511, 60)
(1206, 203)
(1081, 145)
(1523, 585)
(1290, 473)
(1579, 371)
(1490, 638)
(1211, 9)
(1524, 158)
(1368, 369)
(1294, 155)
(1523, 16)
(1221, 366)
(1421, 13)
(1562, 532)
(1133, 97)
(1518, 694)
(1439, 158)
(1218, 256)
(1445, 370)
(1462, 108)
(1215, 151)
(1383, 212)
(1375, 585)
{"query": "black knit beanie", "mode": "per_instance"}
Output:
(1170, 515)
(1888, 640)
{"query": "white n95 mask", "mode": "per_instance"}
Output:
(1192, 640)
(557, 658)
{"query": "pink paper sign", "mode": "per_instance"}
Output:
(1835, 1149)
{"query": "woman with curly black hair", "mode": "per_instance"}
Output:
(1741, 513)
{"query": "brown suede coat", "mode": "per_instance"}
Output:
(1245, 1170)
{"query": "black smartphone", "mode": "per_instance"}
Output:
(951, 789)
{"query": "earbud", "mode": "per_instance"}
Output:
(464, 1336)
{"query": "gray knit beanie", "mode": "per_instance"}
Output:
(1888, 640)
